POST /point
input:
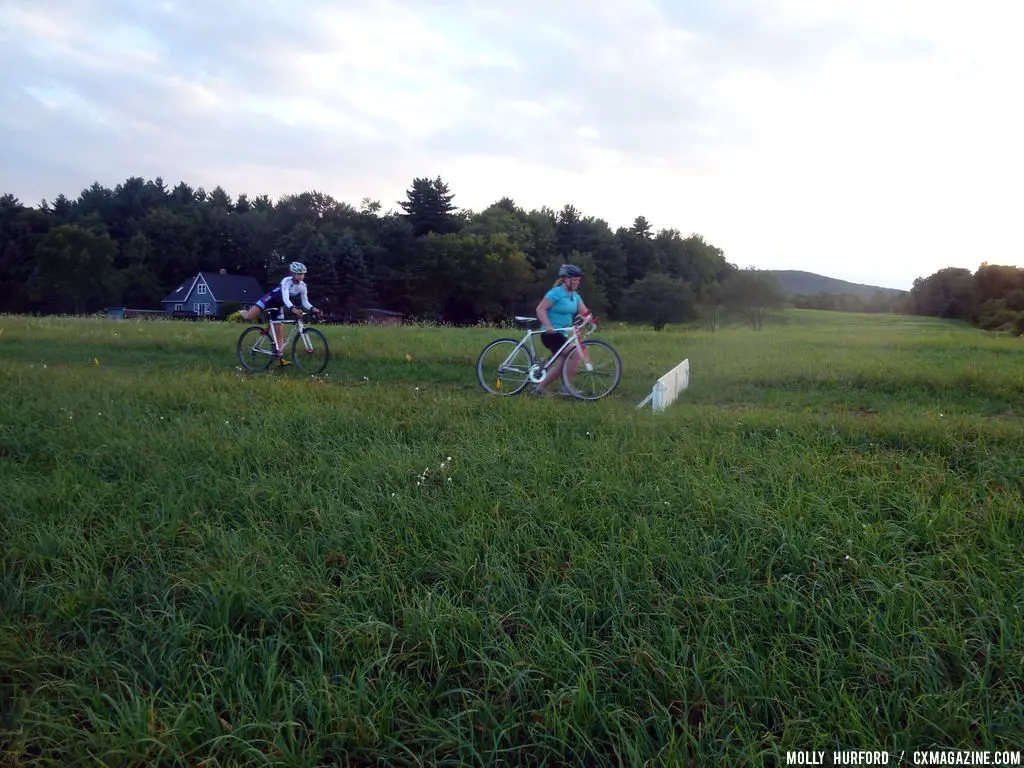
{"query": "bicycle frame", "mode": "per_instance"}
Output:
(299, 328)
(539, 370)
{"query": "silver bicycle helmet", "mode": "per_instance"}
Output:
(570, 270)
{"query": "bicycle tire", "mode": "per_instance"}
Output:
(247, 356)
(499, 388)
(301, 357)
(617, 375)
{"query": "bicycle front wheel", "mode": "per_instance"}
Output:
(502, 369)
(255, 348)
(310, 351)
(598, 372)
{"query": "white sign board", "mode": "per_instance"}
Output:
(667, 388)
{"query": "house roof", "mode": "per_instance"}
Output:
(240, 288)
(233, 287)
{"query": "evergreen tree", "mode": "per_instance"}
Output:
(355, 289)
(322, 276)
(428, 207)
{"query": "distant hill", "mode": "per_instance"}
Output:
(794, 282)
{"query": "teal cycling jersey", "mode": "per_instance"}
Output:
(564, 305)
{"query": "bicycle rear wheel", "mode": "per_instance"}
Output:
(310, 351)
(596, 379)
(502, 369)
(255, 348)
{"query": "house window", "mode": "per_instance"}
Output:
(201, 288)
(203, 309)
(177, 307)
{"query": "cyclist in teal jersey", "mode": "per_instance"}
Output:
(557, 309)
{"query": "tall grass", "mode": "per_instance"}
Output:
(818, 546)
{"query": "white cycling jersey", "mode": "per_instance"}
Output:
(291, 288)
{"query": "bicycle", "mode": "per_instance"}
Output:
(257, 345)
(517, 361)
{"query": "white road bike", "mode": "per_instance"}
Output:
(506, 366)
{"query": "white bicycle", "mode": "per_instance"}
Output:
(506, 366)
(257, 346)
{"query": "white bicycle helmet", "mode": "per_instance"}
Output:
(297, 268)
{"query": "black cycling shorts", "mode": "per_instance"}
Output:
(553, 340)
(271, 300)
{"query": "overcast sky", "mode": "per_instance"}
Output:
(870, 140)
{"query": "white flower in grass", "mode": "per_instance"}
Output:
(444, 467)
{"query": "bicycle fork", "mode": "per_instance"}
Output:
(583, 352)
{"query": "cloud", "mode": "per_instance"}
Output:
(865, 139)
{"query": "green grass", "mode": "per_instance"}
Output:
(818, 546)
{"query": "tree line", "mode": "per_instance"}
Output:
(880, 303)
(133, 244)
(992, 297)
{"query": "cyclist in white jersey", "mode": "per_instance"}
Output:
(281, 297)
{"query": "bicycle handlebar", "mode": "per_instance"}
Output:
(583, 323)
(587, 324)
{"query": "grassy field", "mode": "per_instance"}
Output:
(818, 547)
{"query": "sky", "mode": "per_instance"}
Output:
(875, 141)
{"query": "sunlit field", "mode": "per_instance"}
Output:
(819, 546)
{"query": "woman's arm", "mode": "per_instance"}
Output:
(286, 298)
(542, 314)
(304, 296)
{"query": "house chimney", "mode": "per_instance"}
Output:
(223, 271)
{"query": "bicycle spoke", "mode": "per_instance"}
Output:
(503, 367)
(598, 373)
(310, 351)
(255, 349)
